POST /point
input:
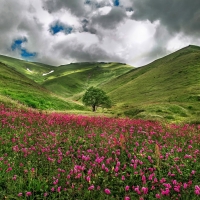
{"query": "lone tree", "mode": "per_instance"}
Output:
(96, 97)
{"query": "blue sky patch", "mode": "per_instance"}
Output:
(17, 45)
(26, 54)
(60, 27)
(116, 2)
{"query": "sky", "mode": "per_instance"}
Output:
(135, 32)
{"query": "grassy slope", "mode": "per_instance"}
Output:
(67, 80)
(168, 87)
(37, 69)
(16, 86)
(73, 79)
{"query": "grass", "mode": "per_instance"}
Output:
(73, 79)
(21, 66)
(15, 86)
(59, 156)
(166, 89)
(172, 81)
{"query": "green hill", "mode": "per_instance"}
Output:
(166, 88)
(17, 88)
(32, 70)
(73, 79)
(67, 80)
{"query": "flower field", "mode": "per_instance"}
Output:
(59, 156)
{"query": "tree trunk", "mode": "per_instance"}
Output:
(93, 108)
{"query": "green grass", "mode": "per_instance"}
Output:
(37, 69)
(166, 89)
(173, 81)
(15, 86)
(73, 79)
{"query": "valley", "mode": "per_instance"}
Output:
(166, 89)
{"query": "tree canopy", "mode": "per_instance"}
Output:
(96, 97)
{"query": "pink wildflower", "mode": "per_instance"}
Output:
(20, 194)
(107, 191)
(59, 189)
(28, 194)
(158, 196)
(127, 188)
(91, 187)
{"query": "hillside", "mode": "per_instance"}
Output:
(68, 81)
(168, 87)
(32, 70)
(15, 86)
(73, 79)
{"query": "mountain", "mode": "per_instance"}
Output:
(32, 70)
(68, 80)
(17, 88)
(166, 88)
(72, 80)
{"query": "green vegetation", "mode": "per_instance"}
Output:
(15, 86)
(31, 70)
(168, 88)
(71, 81)
(96, 98)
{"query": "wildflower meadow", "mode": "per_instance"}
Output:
(62, 156)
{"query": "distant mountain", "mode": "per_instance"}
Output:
(168, 87)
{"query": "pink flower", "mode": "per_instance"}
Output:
(45, 194)
(127, 198)
(123, 178)
(193, 172)
(88, 179)
(107, 191)
(98, 187)
(28, 194)
(14, 177)
(55, 182)
(185, 185)
(145, 190)
(91, 187)
(59, 189)
(158, 196)
(9, 169)
(20, 194)
(197, 190)
(127, 188)
(143, 179)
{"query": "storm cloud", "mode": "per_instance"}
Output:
(176, 15)
(131, 31)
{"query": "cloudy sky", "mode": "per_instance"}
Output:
(129, 31)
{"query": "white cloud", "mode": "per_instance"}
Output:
(106, 32)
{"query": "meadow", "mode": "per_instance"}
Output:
(63, 156)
